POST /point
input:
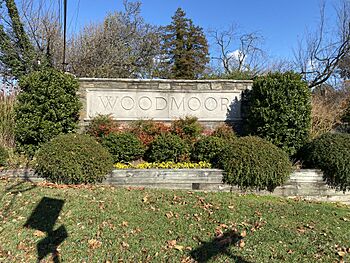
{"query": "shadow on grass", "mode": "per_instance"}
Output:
(15, 190)
(218, 246)
(43, 218)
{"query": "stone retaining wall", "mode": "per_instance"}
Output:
(212, 101)
(307, 184)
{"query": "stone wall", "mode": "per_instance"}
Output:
(305, 184)
(212, 101)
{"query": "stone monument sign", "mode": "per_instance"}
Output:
(163, 100)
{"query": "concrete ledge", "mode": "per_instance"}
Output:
(307, 184)
(163, 80)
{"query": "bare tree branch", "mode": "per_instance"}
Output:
(318, 55)
(238, 52)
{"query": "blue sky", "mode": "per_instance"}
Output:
(281, 22)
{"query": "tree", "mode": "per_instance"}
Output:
(344, 25)
(184, 48)
(26, 38)
(47, 106)
(319, 54)
(16, 51)
(239, 53)
(123, 46)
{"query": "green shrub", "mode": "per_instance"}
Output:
(254, 163)
(346, 116)
(73, 159)
(208, 149)
(101, 125)
(224, 131)
(279, 109)
(47, 106)
(3, 156)
(331, 153)
(168, 147)
(147, 130)
(345, 126)
(7, 119)
(187, 128)
(124, 146)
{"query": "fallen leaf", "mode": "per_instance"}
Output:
(341, 253)
(125, 245)
(244, 233)
(197, 217)
(178, 247)
(301, 230)
(145, 199)
(171, 243)
(169, 214)
(39, 233)
(93, 243)
(241, 243)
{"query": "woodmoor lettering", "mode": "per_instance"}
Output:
(159, 103)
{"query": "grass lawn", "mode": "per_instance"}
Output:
(105, 224)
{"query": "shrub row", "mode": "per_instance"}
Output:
(249, 162)
(127, 147)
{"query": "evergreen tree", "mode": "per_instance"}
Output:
(17, 53)
(185, 49)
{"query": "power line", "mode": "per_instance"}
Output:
(64, 33)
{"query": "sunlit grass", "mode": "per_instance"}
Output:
(106, 224)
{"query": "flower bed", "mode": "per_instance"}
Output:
(164, 165)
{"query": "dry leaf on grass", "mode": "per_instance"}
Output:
(93, 243)
(125, 224)
(178, 247)
(39, 233)
(169, 214)
(125, 245)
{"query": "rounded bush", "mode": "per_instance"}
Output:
(147, 130)
(254, 163)
(224, 131)
(124, 146)
(73, 159)
(3, 156)
(101, 125)
(208, 149)
(168, 147)
(278, 109)
(187, 128)
(331, 153)
(46, 106)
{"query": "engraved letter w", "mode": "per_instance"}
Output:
(109, 101)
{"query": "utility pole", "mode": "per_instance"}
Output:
(64, 34)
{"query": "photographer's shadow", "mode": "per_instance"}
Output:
(218, 246)
(43, 218)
